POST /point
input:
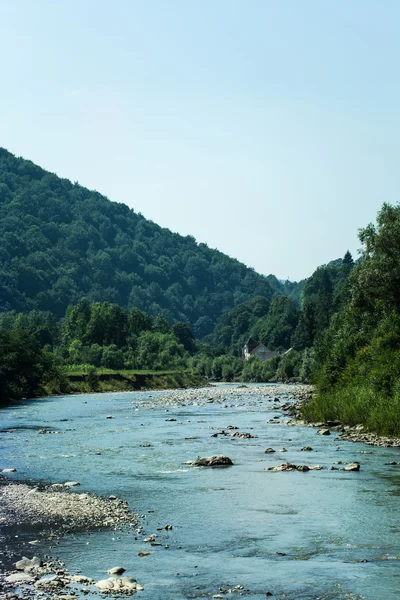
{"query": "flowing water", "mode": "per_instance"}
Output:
(321, 534)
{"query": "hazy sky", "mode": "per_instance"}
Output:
(268, 129)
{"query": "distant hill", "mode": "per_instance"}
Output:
(293, 289)
(60, 242)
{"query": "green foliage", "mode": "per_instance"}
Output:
(160, 351)
(60, 242)
(357, 362)
(275, 330)
(258, 371)
(25, 369)
(234, 326)
(289, 366)
(184, 335)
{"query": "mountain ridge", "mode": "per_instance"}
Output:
(60, 242)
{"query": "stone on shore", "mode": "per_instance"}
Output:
(20, 578)
(81, 579)
(49, 580)
(28, 563)
(219, 460)
(120, 584)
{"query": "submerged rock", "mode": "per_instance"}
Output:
(219, 460)
(269, 450)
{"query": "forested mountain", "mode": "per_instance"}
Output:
(60, 242)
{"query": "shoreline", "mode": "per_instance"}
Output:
(53, 511)
(348, 433)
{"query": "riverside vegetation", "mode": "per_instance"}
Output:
(93, 296)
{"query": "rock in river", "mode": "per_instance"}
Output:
(121, 584)
(28, 563)
(219, 460)
(116, 571)
(323, 432)
(355, 466)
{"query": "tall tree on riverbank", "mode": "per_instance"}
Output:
(358, 361)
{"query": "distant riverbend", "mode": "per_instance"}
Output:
(293, 517)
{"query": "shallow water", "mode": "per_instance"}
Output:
(228, 524)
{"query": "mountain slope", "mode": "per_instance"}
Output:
(60, 242)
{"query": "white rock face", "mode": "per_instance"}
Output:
(71, 483)
(9, 470)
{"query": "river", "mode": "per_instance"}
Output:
(323, 534)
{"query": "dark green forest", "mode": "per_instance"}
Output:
(60, 242)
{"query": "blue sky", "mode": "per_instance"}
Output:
(268, 129)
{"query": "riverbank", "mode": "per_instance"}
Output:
(54, 511)
(59, 508)
(350, 433)
(126, 381)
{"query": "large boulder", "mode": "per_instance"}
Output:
(323, 431)
(28, 563)
(219, 460)
(355, 466)
(121, 584)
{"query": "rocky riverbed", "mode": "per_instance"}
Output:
(62, 510)
(58, 511)
(222, 513)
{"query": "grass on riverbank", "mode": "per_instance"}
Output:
(107, 380)
(80, 370)
(357, 404)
